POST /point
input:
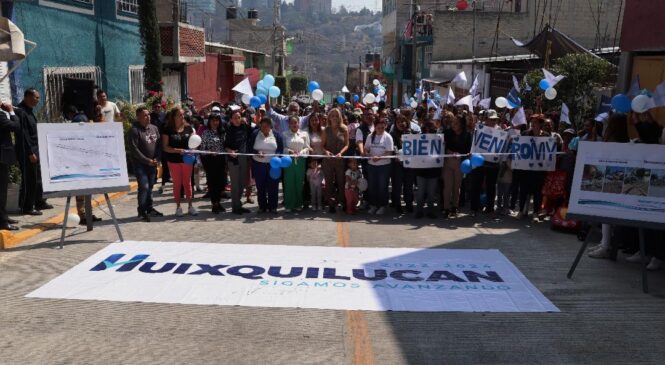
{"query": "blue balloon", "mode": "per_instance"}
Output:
(286, 162)
(275, 174)
(189, 158)
(356, 98)
(255, 101)
(466, 166)
(544, 84)
(261, 91)
(274, 91)
(313, 85)
(621, 103)
(269, 81)
(275, 162)
(261, 83)
(341, 99)
(477, 160)
(263, 98)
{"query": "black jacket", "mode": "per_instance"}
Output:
(8, 124)
(26, 137)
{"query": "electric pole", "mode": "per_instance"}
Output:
(473, 43)
(414, 45)
(275, 27)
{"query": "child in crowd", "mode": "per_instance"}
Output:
(351, 193)
(315, 178)
(505, 179)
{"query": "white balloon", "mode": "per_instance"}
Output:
(376, 82)
(317, 95)
(550, 93)
(414, 104)
(362, 184)
(501, 102)
(640, 103)
(382, 92)
(194, 142)
(369, 98)
(245, 99)
(73, 220)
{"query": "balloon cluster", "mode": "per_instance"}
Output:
(315, 90)
(277, 164)
(266, 87)
(469, 164)
(550, 91)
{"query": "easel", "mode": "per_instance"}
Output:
(88, 208)
(641, 226)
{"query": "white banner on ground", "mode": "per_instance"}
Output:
(421, 151)
(379, 279)
(533, 153)
(489, 140)
(619, 180)
(81, 156)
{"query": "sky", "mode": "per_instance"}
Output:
(356, 5)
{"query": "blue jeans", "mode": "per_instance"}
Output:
(145, 176)
(266, 188)
(378, 179)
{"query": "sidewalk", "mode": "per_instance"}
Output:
(31, 226)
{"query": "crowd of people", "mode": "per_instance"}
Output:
(342, 159)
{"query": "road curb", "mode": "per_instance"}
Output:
(9, 240)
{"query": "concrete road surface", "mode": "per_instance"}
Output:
(605, 318)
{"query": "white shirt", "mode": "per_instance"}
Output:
(298, 141)
(359, 133)
(109, 111)
(267, 145)
(382, 143)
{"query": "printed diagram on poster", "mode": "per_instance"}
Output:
(80, 156)
(490, 140)
(619, 180)
(420, 151)
(378, 279)
(533, 153)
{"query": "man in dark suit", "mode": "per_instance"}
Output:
(8, 123)
(27, 151)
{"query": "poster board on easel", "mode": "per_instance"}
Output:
(82, 159)
(621, 184)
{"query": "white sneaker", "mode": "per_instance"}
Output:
(594, 247)
(192, 211)
(381, 210)
(637, 258)
(371, 210)
(655, 264)
(601, 253)
(178, 212)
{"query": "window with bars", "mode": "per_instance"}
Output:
(54, 86)
(136, 84)
(127, 6)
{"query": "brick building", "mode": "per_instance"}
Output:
(588, 24)
(643, 49)
(181, 44)
(310, 7)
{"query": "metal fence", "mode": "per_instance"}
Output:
(54, 86)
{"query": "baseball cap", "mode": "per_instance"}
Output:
(569, 130)
(216, 109)
(492, 114)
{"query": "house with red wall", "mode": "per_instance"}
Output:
(225, 66)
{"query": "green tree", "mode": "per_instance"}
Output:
(298, 84)
(584, 73)
(281, 83)
(150, 44)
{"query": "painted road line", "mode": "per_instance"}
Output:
(356, 323)
(9, 240)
